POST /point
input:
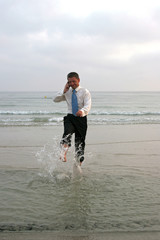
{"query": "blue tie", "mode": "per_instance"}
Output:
(74, 103)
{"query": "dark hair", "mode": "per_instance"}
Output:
(73, 74)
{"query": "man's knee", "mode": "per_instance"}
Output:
(66, 140)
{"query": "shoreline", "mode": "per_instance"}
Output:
(123, 141)
(80, 236)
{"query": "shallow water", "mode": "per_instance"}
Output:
(99, 203)
(108, 196)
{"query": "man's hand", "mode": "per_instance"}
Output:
(79, 113)
(66, 88)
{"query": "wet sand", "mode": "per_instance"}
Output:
(19, 145)
(81, 236)
(126, 145)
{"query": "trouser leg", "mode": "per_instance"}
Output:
(80, 135)
(79, 147)
(77, 125)
(68, 131)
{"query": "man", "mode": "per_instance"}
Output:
(79, 103)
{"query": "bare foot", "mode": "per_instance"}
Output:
(63, 154)
(63, 158)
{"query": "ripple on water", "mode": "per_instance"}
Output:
(51, 198)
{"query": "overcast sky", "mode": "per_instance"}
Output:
(114, 45)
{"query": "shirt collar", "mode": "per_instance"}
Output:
(77, 89)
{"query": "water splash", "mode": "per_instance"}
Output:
(52, 167)
(47, 157)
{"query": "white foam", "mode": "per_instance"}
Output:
(62, 177)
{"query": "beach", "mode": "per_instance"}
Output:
(18, 145)
(129, 143)
(80, 236)
(118, 197)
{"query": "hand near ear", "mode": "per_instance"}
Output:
(66, 88)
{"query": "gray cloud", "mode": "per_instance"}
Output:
(40, 45)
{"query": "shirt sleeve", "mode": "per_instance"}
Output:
(87, 103)
(59, 97)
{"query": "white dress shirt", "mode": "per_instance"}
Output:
(83, 97)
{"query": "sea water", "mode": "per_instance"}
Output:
(38, 109)
(105, 198)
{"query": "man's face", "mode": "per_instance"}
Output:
(73, 82)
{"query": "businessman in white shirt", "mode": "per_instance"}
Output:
(79, 104)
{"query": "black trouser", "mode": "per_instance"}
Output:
(77, 125)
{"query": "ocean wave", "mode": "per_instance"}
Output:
(92, 113)
(125, 113)
(47, 121)
(55, 120)
(30, 121)
(32, 112)
(124, 121)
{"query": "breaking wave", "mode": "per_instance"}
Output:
(100, 113)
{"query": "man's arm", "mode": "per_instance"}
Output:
(87, 105)
(61, 96)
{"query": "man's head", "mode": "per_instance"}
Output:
(73, 79)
